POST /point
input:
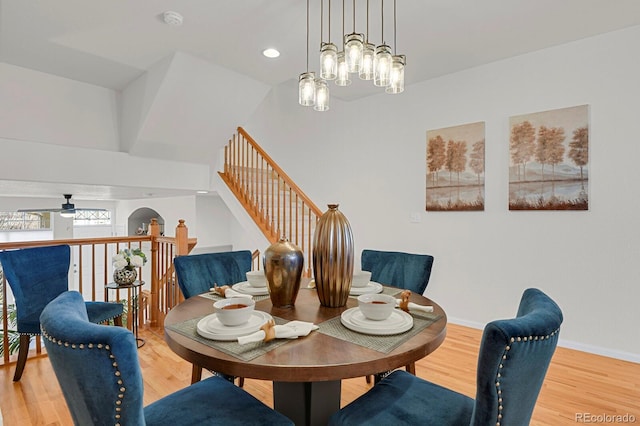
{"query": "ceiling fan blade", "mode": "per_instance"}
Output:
(39, 210)
(67, 206)
(58, 210)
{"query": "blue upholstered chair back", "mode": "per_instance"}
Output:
(513, 361)
(198, 273)
(96, 365)
(36, 277)
(98, 370)
(404, 270)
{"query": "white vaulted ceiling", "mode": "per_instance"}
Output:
(184, 89)
(110, 43)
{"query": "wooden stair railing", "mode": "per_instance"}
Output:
(275, 203)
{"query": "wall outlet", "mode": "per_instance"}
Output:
(415, 218)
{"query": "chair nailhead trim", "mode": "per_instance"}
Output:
(507, 348)
(117, 372)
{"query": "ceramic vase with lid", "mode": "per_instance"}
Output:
(333, 258)
(283, 263)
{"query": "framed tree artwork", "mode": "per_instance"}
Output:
(455, 168)
(549, 160)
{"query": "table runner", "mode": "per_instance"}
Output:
(384, 344)
(244, 352)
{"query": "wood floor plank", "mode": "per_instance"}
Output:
(576, 383)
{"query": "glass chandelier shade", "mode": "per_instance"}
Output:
(322, 95)
(307, 89)
(342, 78)
(366, 70)
(382, 66)
(396, 76)
(356, 56)
(328, 61)
(353, 47)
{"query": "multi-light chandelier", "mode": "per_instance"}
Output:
(356, 56)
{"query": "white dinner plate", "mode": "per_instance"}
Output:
(246, 288)
(398, 322)
(372, 287)
(211, 327)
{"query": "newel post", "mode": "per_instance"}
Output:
(154, 232)
(182, 238)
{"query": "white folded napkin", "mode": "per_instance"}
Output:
(416, 307)
(229, 292)
(290, 330)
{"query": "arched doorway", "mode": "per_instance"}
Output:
(138, 222)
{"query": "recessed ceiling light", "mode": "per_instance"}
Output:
(271, 53)
(172, 18)
(202, 192)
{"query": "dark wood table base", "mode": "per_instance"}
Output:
(307, 403)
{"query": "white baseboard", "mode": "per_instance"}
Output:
(569, 344)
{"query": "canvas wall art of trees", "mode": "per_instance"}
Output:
(549, 160)
(455, 168)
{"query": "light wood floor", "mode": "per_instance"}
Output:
(576, 382)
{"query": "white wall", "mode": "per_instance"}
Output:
(370, 156)
(39, 107)
(212, 221)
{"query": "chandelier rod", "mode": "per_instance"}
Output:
(367, 21)
(382, 20)
(321, 21)
(394, 28)
(354, 16)
(343, 18)
(307, 35)
(329, 21)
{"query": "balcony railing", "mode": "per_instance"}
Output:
(92, 270)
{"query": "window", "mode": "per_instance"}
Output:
(10, 221)
(92, 217)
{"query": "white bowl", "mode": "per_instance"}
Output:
(360, 278)
(257, 279)
(376, 307)
(234, 310)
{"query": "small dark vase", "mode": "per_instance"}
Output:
(283, 262)
(125, 276)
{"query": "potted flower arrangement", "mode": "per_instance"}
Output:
(125, 263)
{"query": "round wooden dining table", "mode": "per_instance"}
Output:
(306, 372)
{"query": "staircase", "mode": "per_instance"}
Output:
(274, 202)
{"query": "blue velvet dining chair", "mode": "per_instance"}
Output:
(513, 361)
(98, 370)
(398, 269)
(404, 270)
(197, 273)
(36, 276)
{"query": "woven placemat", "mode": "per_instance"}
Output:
(215, 296)
(384, 344)
(244, 352)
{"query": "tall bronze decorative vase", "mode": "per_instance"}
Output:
(333, 258)
(283, 262)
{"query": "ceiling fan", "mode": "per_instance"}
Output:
(68, 209)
